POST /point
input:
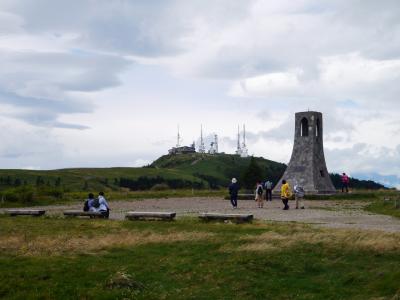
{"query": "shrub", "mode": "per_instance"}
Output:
(160, 187)
(24, 194)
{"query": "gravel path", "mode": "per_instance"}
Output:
(338, 214)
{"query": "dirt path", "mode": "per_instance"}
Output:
(348, 214)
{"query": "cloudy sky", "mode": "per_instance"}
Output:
(87, 83)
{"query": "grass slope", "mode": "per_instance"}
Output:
(187, 259)
(95, 178)
(221, 167)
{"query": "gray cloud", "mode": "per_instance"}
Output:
(41, 84)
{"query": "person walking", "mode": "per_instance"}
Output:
(268, 190)
(233, 192)
(259, 195)
(345, 183)
(286, 193)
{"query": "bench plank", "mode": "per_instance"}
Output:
(25, 212)
(137, 215)
(225, 217)
(81, 213)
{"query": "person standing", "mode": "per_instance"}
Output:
(268, 190)
(286, 193)
(299, 196)
(345, 183)
(259, 195)
(233, 192)
(103, 205)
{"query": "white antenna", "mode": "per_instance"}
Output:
(244, 150)
(178, 139)
(202, 148)
(244, 135)
(238, 149)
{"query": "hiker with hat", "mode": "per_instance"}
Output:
(233, 192)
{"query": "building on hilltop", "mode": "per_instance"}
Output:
(182, 150)
(178, 149)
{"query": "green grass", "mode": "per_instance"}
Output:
(387, 207)
(222, 167)
(209, 261)
(73, 197)
(356, 195)
(95, 178)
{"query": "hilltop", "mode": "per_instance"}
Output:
(217, 169)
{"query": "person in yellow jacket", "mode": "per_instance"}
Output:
(286, 193)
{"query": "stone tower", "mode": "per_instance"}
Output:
(307, 165)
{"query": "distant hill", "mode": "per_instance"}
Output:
(218, 169)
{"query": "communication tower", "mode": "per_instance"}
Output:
(202, 148)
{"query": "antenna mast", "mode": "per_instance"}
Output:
(178, 139)
(202, 148)
(238, 149)
(244, 152)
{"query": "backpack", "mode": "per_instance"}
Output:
(86, 206)
(96, 203)
(259, 190)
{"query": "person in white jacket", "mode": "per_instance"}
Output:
(299, 196)
(104, 208)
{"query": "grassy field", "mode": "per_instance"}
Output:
(54, 258)
(386, 204)
(73, 197)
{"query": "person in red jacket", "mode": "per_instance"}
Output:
(345, 183)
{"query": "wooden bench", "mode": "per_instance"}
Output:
(239, 218)
(26, 212)
(142, 215)
(81, 213)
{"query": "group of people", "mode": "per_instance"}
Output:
(98, 204)
(264, 191)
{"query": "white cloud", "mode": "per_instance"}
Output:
(129, 71)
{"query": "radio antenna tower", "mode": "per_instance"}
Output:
(216, 143)
(202, 148)
(178, 139)
(244, 148)
(238, 150)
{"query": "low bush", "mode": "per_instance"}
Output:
(160, 187)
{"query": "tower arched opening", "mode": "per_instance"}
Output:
(304, 127)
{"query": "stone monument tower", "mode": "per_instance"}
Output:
(307, 165)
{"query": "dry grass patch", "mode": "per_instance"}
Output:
(330, 238)
(66, 244)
